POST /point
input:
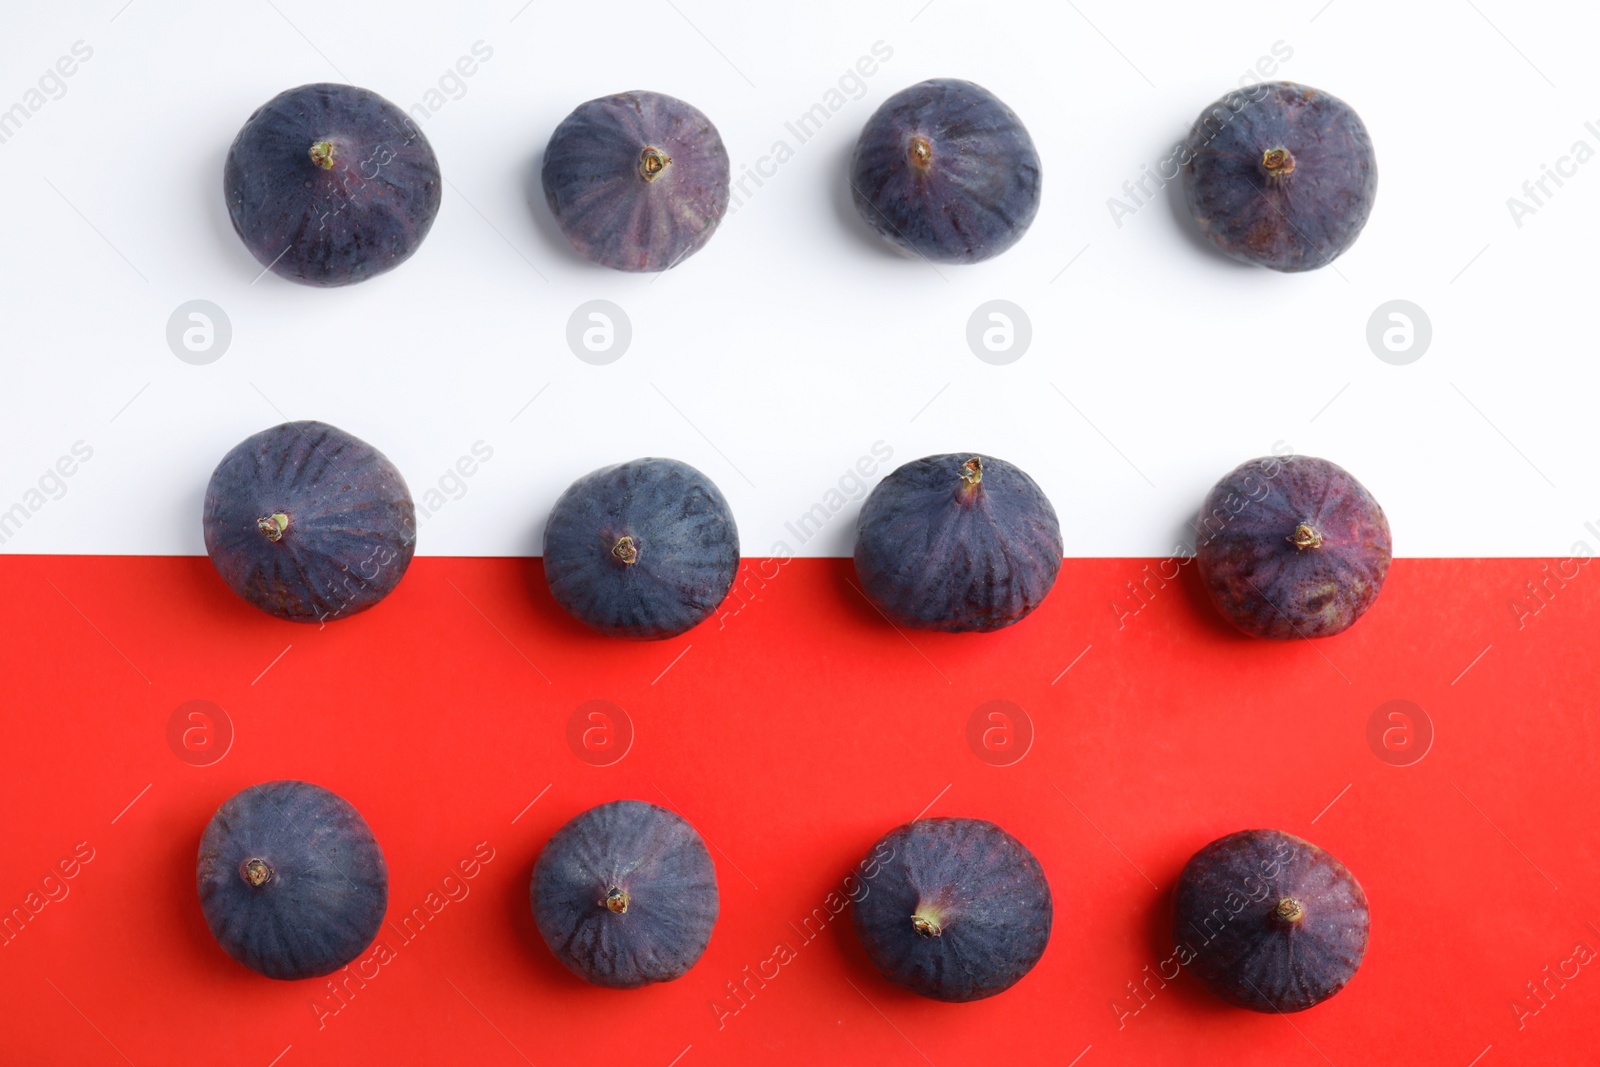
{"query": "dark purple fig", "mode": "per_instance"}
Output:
(945, 171)
(1291, 547)
(309, 523)
(960, 910)
(292, 882)
(1272, 922)
(1281, 175)
(637, 181)
(959, 542)
(625, 895)
(644, 549)
(331, 184)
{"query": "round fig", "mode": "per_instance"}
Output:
(959, 910)
(637, 181)
(1291, 547)
(625, 894)
(645, 549)
(946, 171)
(309, 523)
(1274, 922)
(292, 882)
(330, 184)
(1281, 175)
(957, 542)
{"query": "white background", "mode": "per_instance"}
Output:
(776, 357)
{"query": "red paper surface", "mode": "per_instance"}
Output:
(793, 732)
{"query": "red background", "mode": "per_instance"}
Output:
(793, 733)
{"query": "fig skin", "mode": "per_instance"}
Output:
(1280, 175)
(946, 171)
(936, 550)
(637, 181)
(308, 522)
(323, 884)
(331, 184)
(1276, 924)
(960, 910)
(625, 894)
(645, 549)
(1292, 547)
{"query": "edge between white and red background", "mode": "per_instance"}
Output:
(779, 356)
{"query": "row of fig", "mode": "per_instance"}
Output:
(331, 184)
(293, 884)
(310, 523)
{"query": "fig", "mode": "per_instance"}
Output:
(1274, 922)
(637, 181)
(292, 882)
(331, 184)
(945, 171)
(959, 911)
(309, 523)
(645, 549)
(958, 542)
(1281, 175)
(625, 894)
(1291, 547)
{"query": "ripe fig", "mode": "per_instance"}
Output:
(645, 549)
(946, 171)
(959, 911)
(309, 523)
(625, 894)
(330, 184)
(637, 181)
(957, 542)
(292, 882)
(1291, 547)
(1273, 921)
(1281, 175)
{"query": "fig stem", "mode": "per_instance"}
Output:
(1289, 910)
(925, 925)
(625, 550)
(652, 161)
(273, 525)
(971, 477)
(256, 873)
(1305, 536)
(322, 154)
(1279, 161)
(920, 152)
(616, 900)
